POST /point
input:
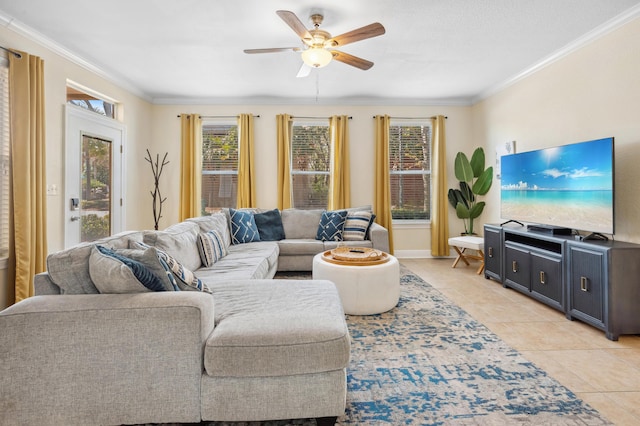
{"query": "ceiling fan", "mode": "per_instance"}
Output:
(319, 47)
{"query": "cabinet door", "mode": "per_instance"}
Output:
(492, 253)
(586, 283)
(517, 267)
(546, 278)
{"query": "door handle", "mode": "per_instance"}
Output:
(490, 252)
(514, 266)
(75, 218)
(584, 284)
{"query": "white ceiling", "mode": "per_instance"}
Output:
(434, 51)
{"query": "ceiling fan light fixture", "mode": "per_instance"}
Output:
(317, 57)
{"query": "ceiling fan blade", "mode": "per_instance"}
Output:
(296, 25)
(368, 31)
(354, 61)
(304, 71)
(273, 49)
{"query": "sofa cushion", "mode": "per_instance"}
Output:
(178, 241)
(301, 330)
(69, 268)
(331, 225)
(114, 273)
(269, 225)
(356, 225)
(245, 261)
(217, 221)
(300, 247)
(300, 223)
(243, 227)
(211, 247)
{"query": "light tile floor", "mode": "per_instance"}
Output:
(603, 373)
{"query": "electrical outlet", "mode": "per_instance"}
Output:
(52, 189)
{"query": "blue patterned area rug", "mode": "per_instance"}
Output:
(428, 362)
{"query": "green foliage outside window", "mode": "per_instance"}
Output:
(94, 227)
(310, 157)
(410, 171)
(219, 166)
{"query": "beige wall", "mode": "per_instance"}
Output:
(136, 116)
(591, 93)
(411, 240)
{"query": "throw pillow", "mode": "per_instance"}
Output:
(356, 225)
(211, 247)
(114, 273)
(151, 259)
(269, 225)
(217, 221)
(331, 225)
(186, 280)
(243, 227)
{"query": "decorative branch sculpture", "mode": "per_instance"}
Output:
(156, 168)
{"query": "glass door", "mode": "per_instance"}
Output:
(95, 199)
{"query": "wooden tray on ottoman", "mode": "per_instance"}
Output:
(355, 256)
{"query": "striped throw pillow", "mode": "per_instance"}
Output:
(356, 225)
(185, 278)
(211, 247)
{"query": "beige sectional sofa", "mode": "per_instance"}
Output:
(248, 348)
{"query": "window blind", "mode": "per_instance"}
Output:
(310, 162)
(4, 159)
(410, 170)
(219, 165)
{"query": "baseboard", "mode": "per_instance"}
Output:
(416, 254)
(412, 254)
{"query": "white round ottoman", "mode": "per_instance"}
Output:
(364, 290)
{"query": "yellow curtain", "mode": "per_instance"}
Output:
(284, 124)
(28, 239)
(190, 166)
(340, 178)
(246, 173)
(439, 201)
(382, 187)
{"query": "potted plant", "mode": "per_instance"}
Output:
(475, 181)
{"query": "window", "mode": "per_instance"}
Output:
(219, 165)
(410, 170)
(310, 161)
(4, 158)
(94, 103)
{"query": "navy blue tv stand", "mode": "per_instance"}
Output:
(595, 281)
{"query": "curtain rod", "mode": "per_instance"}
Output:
(13, 52)
(221, 116)
(415, 118)
(318, 118)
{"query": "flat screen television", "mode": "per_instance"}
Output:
(568, 186)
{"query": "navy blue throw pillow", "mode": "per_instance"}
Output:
(331, 225)
(243, 227)
(141, 272)
(269, 225)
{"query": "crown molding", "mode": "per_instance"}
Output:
(597, 33)
(36, 37)
(351, 101)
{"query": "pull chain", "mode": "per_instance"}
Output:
(317, 85)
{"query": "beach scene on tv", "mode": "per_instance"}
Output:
(568, 186)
